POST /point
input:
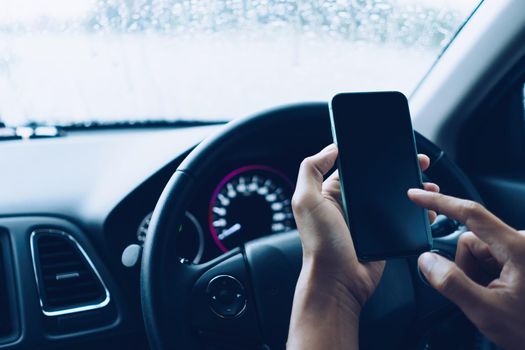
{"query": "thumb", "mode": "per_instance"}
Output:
(448, 279)
(311, 173)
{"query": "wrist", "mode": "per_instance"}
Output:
(323, 287)
(325, 314)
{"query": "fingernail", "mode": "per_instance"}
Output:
(329, 148)
(426, 262)
(415, 191)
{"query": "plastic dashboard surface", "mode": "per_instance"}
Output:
(30, 327)
(98, 186)
(72, 184)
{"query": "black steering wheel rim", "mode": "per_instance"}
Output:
(166, 283)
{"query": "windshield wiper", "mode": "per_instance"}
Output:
(36, 130)
(138, 124)
(29, 132)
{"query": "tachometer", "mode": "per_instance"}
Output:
(191, 243)
(248, 203)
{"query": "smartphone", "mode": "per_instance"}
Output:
(377, 164)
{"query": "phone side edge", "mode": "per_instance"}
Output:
(420, 176)
(339, 168)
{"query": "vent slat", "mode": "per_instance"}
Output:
(51, 278)
(67, 287)
(78, 297)
(54, 254)
(59, 255)
(62, 265)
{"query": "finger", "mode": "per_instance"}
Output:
(474, 257)
(424, 161)
(430, 186)
(313, 168)
(332, 187)
(483, 223)
(333, 176)
(432, 215)
(449, 280)
(311, 173)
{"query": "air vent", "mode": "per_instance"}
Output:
(6, 321)
(67, 279)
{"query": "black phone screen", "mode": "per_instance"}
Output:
(377, 165)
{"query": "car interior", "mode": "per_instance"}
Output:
(179, 233)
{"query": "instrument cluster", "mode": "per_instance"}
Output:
(245, 203)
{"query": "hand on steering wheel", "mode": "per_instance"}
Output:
(324, 233)
(330, 266)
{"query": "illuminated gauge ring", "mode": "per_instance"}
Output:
(264, 173)
(189, 219)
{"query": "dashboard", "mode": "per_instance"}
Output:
(91, 193)
(88, 194)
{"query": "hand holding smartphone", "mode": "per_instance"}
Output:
(377, 165)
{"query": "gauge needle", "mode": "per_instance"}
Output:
(230, 231)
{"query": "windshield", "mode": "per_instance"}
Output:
(64, 61)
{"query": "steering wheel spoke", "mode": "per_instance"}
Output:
(222, 305)
(446, 245)
(431, 305)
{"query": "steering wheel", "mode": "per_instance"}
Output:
(243, 298)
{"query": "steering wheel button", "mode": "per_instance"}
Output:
(226, 296)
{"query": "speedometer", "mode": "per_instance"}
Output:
(248, 203)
